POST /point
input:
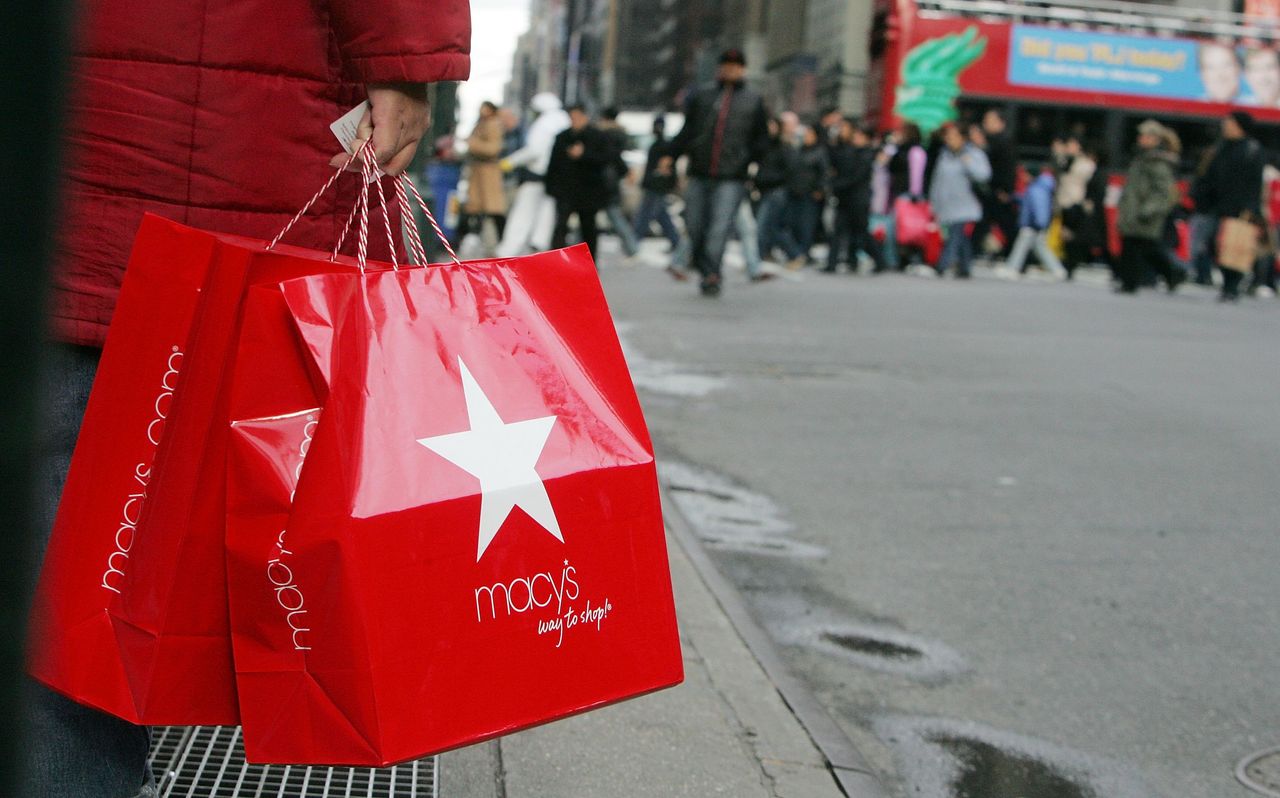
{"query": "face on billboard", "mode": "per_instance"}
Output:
(1219, 72)
(1262, 72)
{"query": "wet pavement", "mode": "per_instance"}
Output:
(1019, 538)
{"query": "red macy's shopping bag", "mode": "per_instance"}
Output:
(475, 545)
(131, 612)
(79, 645)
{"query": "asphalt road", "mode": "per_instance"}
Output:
(1022, 538)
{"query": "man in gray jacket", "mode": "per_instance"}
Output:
(725, 131)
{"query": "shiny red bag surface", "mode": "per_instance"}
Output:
(913, 222)
(475, 539)
(131, 609)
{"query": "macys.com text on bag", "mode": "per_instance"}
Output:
(131, 512)
(280, 575)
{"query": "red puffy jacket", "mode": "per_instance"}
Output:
(216, 114)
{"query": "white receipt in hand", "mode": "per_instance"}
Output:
(345, 129)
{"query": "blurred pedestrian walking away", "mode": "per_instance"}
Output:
(1149, 195)
(1082, 192)
(1231, 187)
(999, 211)
(853, 162)
(725, 131)
(905, 160)
(1034, 218)
(806, 197)
(214, 114)
(770, 181)
(578, 178)
(960, 165)
(658, 183)
(533, 212)
(486, 194)
(616, 171)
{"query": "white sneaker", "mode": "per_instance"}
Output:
(1264, 292)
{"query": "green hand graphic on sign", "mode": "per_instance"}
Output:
(930, 78)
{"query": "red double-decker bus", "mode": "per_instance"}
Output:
(1095, 68)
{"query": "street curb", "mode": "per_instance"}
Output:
(853, 775)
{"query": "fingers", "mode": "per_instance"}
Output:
(400, 162)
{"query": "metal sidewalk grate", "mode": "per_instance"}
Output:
(208, 762)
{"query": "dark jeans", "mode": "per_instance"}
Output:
(1204, 246)
(957, 250)
(1140, 257)
(586, 225)
(769, 220)
(800, 220)
(997, 213)
(1231, 280)
(73, 751)
(474, 223)
(710, 208)
(653, 208)
(851, 233)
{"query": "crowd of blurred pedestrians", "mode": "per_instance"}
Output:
(835, 193)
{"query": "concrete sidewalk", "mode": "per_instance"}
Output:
(724, 731)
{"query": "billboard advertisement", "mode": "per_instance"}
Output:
(937, 59)
(1176, 69)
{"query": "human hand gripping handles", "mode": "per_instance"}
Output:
(360, 211)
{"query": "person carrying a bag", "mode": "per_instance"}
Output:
(1231, 189)
(230, 142)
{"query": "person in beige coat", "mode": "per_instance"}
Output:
(486, 194)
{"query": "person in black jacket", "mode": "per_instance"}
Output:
(576, 178)
(998, 206)
(658, 182)
(725, 131)
(616, 171)
(806, 195)
(852, 164)
(770, 183)
(1231, 186)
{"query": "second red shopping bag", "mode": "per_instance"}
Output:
(476, 536)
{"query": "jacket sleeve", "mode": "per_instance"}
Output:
(415, 41)
(917, 160)
(680, 144)
(978, 166)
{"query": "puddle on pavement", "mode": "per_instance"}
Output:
(988, 772)
(730, 517)
(662, 377)
(961, 759)
(876, 647)
(870, 646)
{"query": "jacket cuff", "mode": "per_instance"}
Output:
(402, 68)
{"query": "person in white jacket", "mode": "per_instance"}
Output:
(533, 213)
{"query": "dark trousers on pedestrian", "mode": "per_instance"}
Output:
(1231, 280)
(996, 213)
(958, 250)
(474, 223)
(710, 208)
(850, 234)
(653, 208)
(590, 233)
(1140, 257)
(799, 224)
(70, 750)
(769, 220)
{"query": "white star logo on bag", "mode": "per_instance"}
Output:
(502, 456)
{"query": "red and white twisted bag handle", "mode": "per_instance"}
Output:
(360, 211)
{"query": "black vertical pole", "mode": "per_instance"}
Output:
(33, 59)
